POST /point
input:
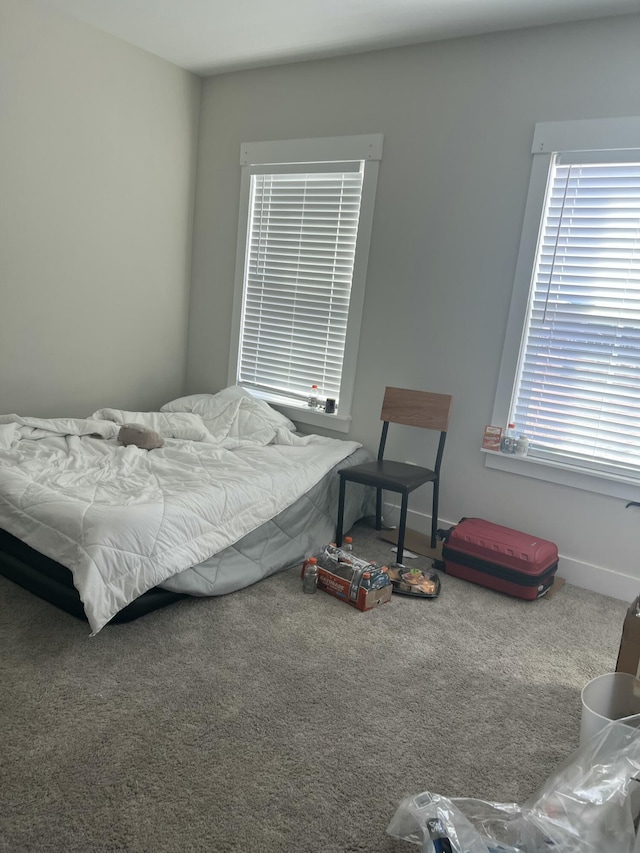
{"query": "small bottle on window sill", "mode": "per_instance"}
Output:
(312, 401)
(508, 441)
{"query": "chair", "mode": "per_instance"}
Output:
(411, 408)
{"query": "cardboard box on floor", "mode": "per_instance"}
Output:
(629, 654)
(354, 580)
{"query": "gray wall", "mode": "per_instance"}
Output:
(458, 120)
(97, 171)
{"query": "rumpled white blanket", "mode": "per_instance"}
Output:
(178, 425)
(124, 519)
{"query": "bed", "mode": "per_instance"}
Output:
(110, 532)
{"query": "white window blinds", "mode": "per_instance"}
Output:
(577, 394)
(303, 228)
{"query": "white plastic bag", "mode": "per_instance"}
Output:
(588, 805)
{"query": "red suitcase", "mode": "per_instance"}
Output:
(500, 558)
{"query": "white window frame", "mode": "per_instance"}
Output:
(615, 134)
(366, 148)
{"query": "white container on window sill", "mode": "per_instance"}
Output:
(313, 402)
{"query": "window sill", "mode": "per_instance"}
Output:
(315, 417)
(303, 414)
(552, 472)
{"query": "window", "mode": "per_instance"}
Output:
(570, 376)
(303, 239)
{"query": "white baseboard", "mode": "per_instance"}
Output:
(596, 578)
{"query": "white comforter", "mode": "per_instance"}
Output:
(123, 519)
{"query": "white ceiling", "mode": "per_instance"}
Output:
(211, 36)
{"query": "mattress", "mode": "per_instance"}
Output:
(274, 546)
(54, 583)
(125, 519)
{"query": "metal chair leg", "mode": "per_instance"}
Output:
(401, 528)
(434, 513)
(343, 483)
(378, 509)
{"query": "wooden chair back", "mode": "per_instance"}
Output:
(416, 408)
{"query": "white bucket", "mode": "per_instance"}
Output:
(613, 696)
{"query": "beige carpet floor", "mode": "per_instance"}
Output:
(269, 720)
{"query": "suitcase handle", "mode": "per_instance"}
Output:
(444, 534)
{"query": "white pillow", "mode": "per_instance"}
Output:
(208, 404)
(211, 406)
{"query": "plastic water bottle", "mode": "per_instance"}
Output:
(376, 578)
(309, 561)
(348, 543)
(310, 579)
(508, 442)
(312, 401)
(381, 579)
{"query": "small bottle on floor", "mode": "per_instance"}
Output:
(310, 577)
(312, 560)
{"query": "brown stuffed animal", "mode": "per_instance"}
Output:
(142, 437)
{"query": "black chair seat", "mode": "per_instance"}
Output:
(395, 476)
(408, 408)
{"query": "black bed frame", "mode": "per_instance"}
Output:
(54, 583)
